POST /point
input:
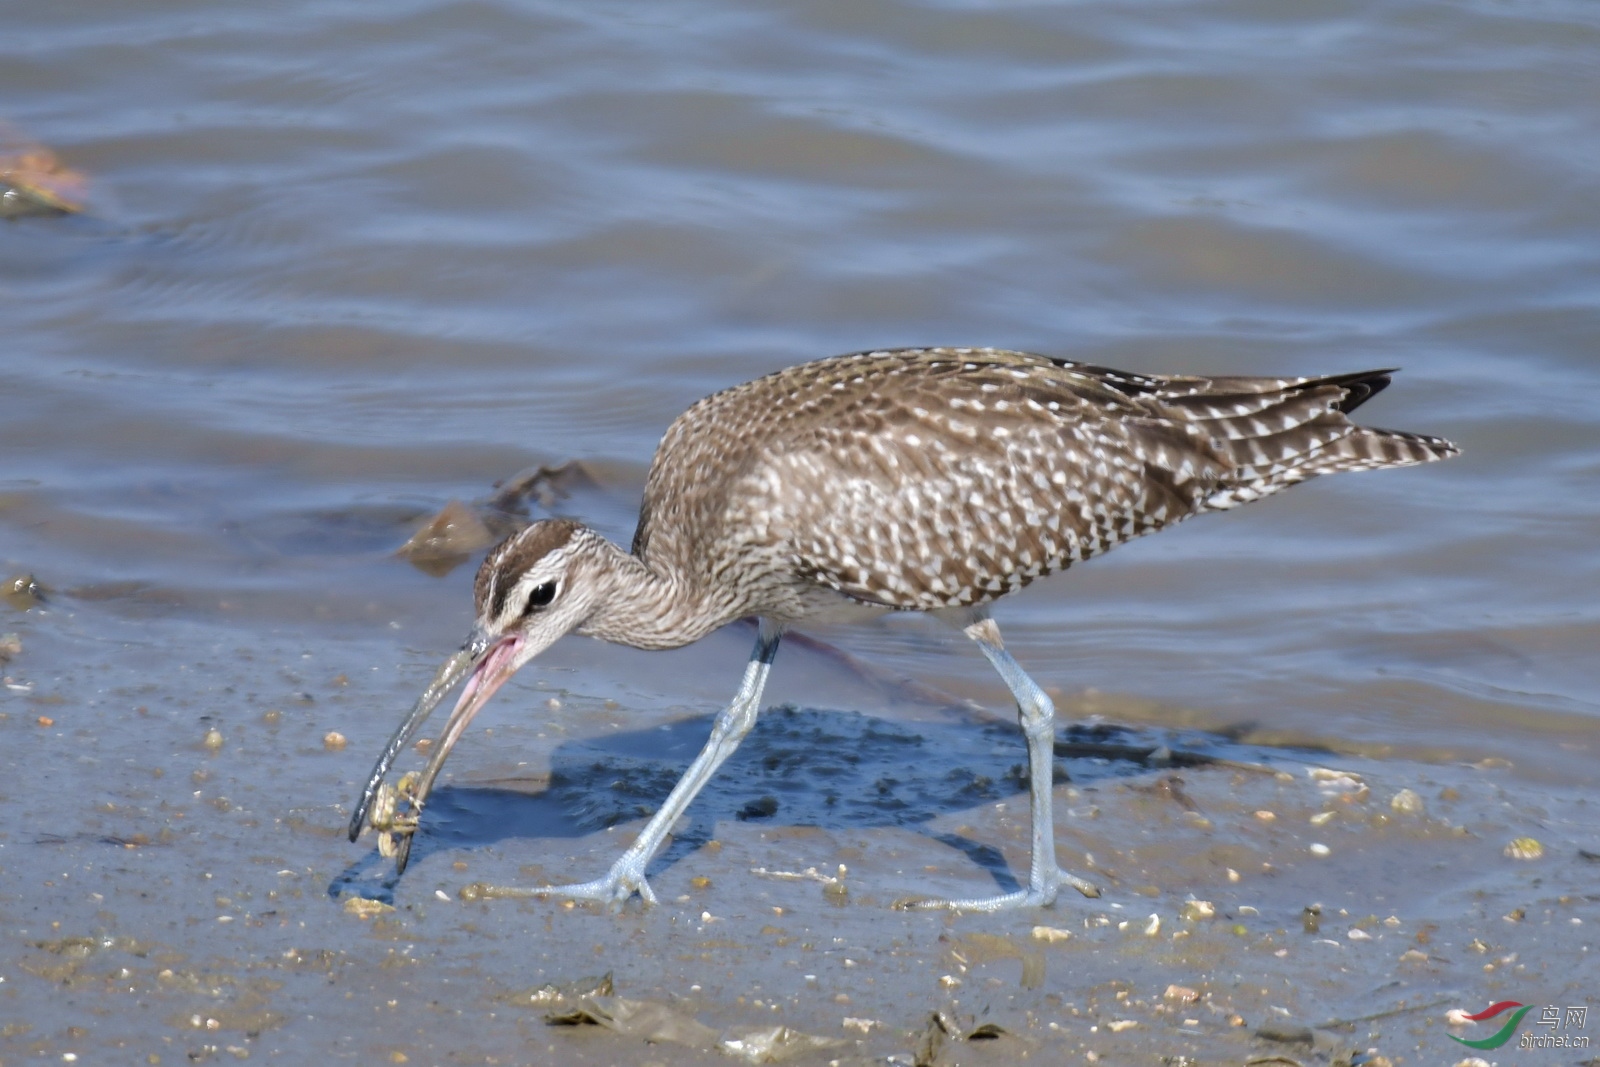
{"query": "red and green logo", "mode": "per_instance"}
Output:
(1503, 1035)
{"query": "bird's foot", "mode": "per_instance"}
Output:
(625, 878)
(1035, 896)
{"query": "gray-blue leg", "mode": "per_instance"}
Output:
(1036, 715)
(626, 876)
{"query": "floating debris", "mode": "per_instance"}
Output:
(546, 486)
(1525, 848)
(451, 535)
(22, 591)
(34, 182)
(447, 539)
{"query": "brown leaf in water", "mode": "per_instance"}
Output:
(446, 540)
(545, 486)
(33, 181)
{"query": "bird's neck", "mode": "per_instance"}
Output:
(646, 605)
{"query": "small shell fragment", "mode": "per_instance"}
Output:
(363, 908)
(1196, 910)
(1319, 849)
(1525, 848)
(1181, 993)
(1338, 783)
(1051, 934)
(333, 740)
(1407, 802)
(213, 739)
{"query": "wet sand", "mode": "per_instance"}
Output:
(180, 895)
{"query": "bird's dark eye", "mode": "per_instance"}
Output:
(541, 596)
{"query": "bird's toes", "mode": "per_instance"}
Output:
(1088, 889)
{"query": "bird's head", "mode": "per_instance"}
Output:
(532, 588)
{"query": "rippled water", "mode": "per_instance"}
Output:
(347, 262)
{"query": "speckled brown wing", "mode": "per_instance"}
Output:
(920, 479)
(931, 479)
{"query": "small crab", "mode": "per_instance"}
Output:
(391, 823)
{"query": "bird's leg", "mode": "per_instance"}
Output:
(626, 876)
(1036, 715)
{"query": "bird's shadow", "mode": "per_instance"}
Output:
(834, 770)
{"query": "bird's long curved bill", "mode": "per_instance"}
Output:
(454, 669)
(489, 666)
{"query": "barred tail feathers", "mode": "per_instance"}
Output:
(1280, 432)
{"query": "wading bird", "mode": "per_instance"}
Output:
(929, 479)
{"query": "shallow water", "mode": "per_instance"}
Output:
(346, 263)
